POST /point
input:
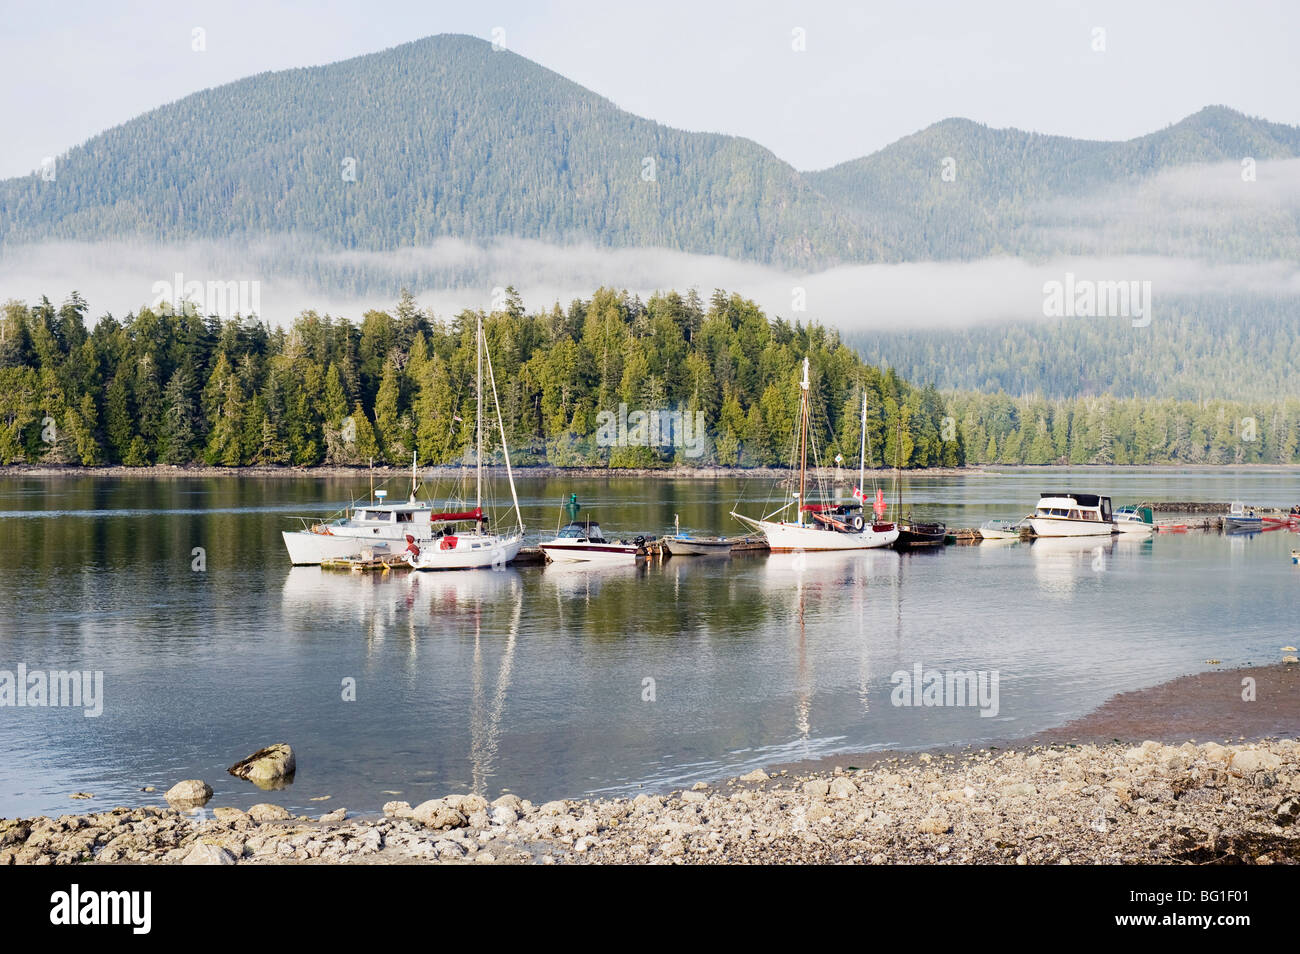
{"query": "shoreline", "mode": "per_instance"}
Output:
(1101, 789)
(329, 471)
(349, 471)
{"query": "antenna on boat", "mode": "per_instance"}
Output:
(372, 481)
(414, 467)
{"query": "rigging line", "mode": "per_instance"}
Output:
(502, 426)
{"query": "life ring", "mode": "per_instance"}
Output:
(858, 523)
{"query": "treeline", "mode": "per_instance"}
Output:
(1106, 430)
(158, 387)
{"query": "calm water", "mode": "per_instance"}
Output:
(532, 680)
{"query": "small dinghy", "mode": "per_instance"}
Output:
(683, 544)
(1000, 529)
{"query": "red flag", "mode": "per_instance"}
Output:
(879, 508)
(858, 495)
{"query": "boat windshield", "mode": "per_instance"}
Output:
(578, 531)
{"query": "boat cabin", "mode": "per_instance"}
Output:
(581, 531)
(1070, 506)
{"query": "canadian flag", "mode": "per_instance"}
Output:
(859, 495)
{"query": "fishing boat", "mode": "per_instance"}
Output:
(683, 544)
(463, 539)
(582, 542)
(1239, 518)
(1139, 519)
(1072, 515)
(913, 534)
(378, 526)
(821, 526)
(1001, 529)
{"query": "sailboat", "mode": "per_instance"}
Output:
(476, 547)
(826, 526)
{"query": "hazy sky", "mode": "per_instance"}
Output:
(870, 72)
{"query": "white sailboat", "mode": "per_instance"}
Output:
(829, 526)
(477, 547)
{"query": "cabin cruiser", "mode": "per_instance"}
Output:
(582, 542)
(1140, 519)
(378, 526)
(1072, 515)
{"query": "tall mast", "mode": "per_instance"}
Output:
(898, 467)
(862, 455)
(478, 417)
(803, 440)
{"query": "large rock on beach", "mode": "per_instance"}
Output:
(271, 767)
(436, 813)
(190, 793)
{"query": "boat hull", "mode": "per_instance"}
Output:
(603, 554)
(915, 537)
(1065, 527)
(679, 547)
(472, 552)
(1134, 526)
(1243, 523)
(787, 537)
(310, 549)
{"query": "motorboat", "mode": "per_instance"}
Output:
(1135, 519)
(581, 541)
(1072, 515)
(1239, 518)
(379, 526)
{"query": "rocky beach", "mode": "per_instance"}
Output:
(1040, 802)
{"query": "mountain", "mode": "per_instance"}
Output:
(998, 177)
(448, 137)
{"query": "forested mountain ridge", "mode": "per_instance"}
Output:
(998, 177)
(447, 137)
(1222, 346)
(171, 388)
(441, 137)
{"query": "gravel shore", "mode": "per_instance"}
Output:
(1075, 795)
(1151, 803)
